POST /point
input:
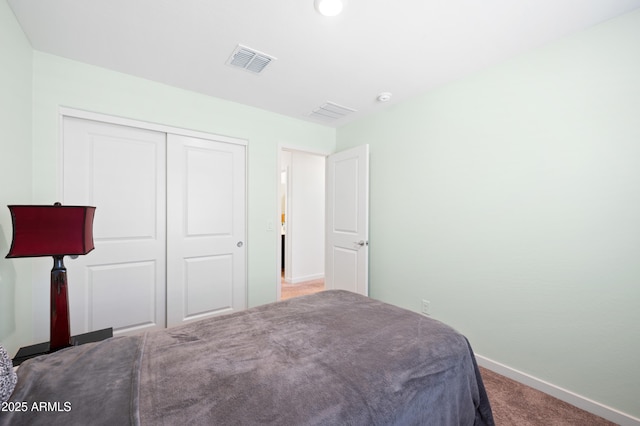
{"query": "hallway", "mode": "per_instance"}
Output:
(301, 289)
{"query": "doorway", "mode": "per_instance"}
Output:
(301, 213)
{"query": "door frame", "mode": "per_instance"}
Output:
(145, 125)
(281, 148)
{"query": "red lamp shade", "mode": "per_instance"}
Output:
(51, 230)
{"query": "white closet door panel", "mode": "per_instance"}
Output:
(204, 199)
(123, 183)
(121, 171)
(208, 282)
(108, 284)
(206, 270)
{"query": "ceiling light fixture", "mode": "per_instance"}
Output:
(328, 7)
(384, 97)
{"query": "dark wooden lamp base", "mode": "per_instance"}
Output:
(33, 351)
(60, 328)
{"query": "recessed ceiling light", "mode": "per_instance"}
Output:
(328, 7)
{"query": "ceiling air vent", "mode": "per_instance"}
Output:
(331, 111)
(249, 59)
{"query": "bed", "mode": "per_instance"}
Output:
(331, 358)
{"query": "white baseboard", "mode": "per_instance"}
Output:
(567, 396)
(298, 280)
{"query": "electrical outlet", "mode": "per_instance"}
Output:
(426, 307)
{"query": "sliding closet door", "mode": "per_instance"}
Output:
(206, 272)
(169, 227)
(120, 170)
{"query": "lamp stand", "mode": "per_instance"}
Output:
(60, 337)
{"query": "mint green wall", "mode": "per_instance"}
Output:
(61, 82)
(15, 176)
(511, 201)
(514, 192)
(34, 85)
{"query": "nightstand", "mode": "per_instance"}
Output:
(33, 351)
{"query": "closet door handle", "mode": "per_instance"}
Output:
(240, 244)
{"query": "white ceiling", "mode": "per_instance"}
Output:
(400, 46)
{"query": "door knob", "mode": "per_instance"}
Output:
(240, 244)
(362, 243)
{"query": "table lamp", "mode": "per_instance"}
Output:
(58, 231)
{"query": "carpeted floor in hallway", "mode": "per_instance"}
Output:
(300, 289)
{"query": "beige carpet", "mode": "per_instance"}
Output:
(516, 404)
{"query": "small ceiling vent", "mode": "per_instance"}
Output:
(249, 59)
(331, 111)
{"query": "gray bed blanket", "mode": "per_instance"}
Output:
(333, 358)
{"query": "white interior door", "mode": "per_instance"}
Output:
(121, 171)
(347, 217)
(206, 242)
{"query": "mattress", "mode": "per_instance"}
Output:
(331, 358)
